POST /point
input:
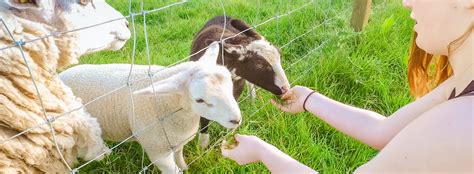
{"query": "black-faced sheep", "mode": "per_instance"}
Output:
(249, 57)
(77, 133)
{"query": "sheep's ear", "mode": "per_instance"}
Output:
(241, 26)
(173, 84)
(211, 54)
(228, 47)
(235, 45)
(24, 4)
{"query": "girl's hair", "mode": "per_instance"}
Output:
(422, 75)
(420, 70)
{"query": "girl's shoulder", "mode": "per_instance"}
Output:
(439, 141)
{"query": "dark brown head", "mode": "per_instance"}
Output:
(247, 55)
(255, 59)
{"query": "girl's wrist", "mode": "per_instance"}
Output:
(306, 101)
(263, 150)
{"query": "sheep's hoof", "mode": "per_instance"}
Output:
(204, 140)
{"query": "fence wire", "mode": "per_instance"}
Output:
(153, 74)
(50, 120)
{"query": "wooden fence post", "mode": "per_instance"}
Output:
(360, 14)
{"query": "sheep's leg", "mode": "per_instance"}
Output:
(166, 163)
(252, 92)
(204, 135)
(238, 88)
(179, 158)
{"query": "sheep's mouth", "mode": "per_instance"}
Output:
(121, 39)
(233, 126)
(92, 50)
(275, 90)
(117, 44)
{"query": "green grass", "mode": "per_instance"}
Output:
(366, 69)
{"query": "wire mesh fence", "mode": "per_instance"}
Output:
(132, 16)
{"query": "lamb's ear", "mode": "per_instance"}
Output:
(211, 54)
(241, 26)
(173, 84)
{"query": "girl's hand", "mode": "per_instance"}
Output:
(247, 150)
(293, 99)
(252, 149)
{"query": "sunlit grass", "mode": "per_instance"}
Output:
(366, 69)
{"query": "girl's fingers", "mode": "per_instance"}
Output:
(278, 105)
(284, 107)
(238, 137)
(287, 95)
(225, 152)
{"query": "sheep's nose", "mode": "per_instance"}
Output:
(284, 89)
(126, 24)
(121, 35)
(235, 121)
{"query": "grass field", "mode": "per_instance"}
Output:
(366, 69)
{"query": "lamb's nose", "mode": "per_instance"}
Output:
(235, 121)
(126, 24)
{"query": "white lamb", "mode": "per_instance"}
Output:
(200, 88)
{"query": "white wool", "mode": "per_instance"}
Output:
(114, 110)
(77, 134)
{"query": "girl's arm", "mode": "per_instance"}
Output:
(366, 126)
(252, 149)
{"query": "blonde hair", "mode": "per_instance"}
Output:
(423, 76)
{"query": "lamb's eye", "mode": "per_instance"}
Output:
(200, 100)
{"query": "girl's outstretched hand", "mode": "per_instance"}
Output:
(247, 150)
(252, 149)
(293, 99)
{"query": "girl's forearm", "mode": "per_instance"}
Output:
(358, 123)
(278, 162)
(369, 127)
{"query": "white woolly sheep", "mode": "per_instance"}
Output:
(249, 57)
(200, 88)
(78, 134)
